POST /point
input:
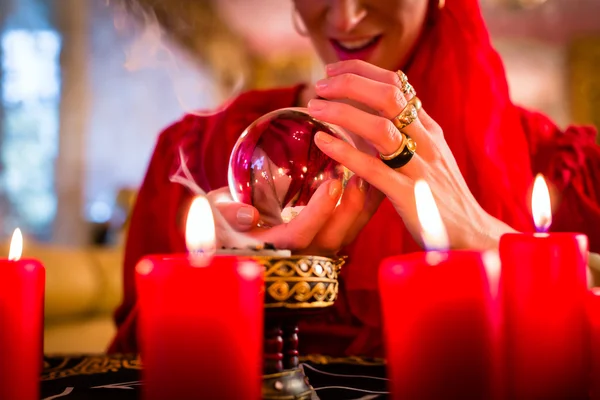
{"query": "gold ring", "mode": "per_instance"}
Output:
(409, 114)
(399, 150)
(405, 86)
(402, 155)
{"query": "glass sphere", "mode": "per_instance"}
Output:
(276, 165)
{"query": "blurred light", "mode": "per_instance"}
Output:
(30, 96)
(100, 212)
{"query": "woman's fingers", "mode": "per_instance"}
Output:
(380, 132)
(469, 226)
(301, 231)
(332, 236)
(241, 217)
(363, 68)
(345, 74)
(388, 101)
(387, 180)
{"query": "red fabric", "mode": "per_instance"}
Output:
(498, 146)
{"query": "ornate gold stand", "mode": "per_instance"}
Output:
(294, 287)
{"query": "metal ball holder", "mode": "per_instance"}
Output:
(295, 286)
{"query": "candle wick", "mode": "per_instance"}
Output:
(544, 225)
(201, 257)
(435, 257)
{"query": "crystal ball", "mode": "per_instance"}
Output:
(276, 166)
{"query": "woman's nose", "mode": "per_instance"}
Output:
(345, 15)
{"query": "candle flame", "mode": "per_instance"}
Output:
(200, 232)
(16, 246)
(433, 230)
(541, 207)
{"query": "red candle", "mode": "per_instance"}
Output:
(593, 308)
(440, 316)
(201, 319)
(21, 324)
(543, 287)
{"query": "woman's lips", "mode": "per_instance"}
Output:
(355, 49)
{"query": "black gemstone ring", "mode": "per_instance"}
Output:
(403, 155)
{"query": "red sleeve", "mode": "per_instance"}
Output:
(570, 159)
(155, 228)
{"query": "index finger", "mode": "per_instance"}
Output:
(363, 68)
(372, 169)
(373, 72)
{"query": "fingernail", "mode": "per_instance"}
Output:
(363, 185)
(323, 137)
(245, 215)
(317, 105)
(331, 68)
(322, 84)
(335, 188)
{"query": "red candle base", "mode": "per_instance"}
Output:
(201, 328)
(439, 326)
(543, 291)
(593, 308)
(21, 333)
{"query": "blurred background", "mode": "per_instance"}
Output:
(87, 85)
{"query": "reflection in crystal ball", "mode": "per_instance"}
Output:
(276, 165)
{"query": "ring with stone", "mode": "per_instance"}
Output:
(409, 114)
(402, 155)
(405, 86)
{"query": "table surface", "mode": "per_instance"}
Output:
(117, 377)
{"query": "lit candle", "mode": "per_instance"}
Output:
(21, 324)
(439, 315)
(201, 319)
(543, 287)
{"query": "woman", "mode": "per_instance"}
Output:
(477, 150)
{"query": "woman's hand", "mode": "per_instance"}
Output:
(320, 228)
(375, 98)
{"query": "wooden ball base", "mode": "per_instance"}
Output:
(295, 287)
(283, 379)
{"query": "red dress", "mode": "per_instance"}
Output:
(498, 146)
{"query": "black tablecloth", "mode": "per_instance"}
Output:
(117, 377)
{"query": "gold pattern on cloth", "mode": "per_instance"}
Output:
(50, 368)
(89, 365)
(352, 360)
